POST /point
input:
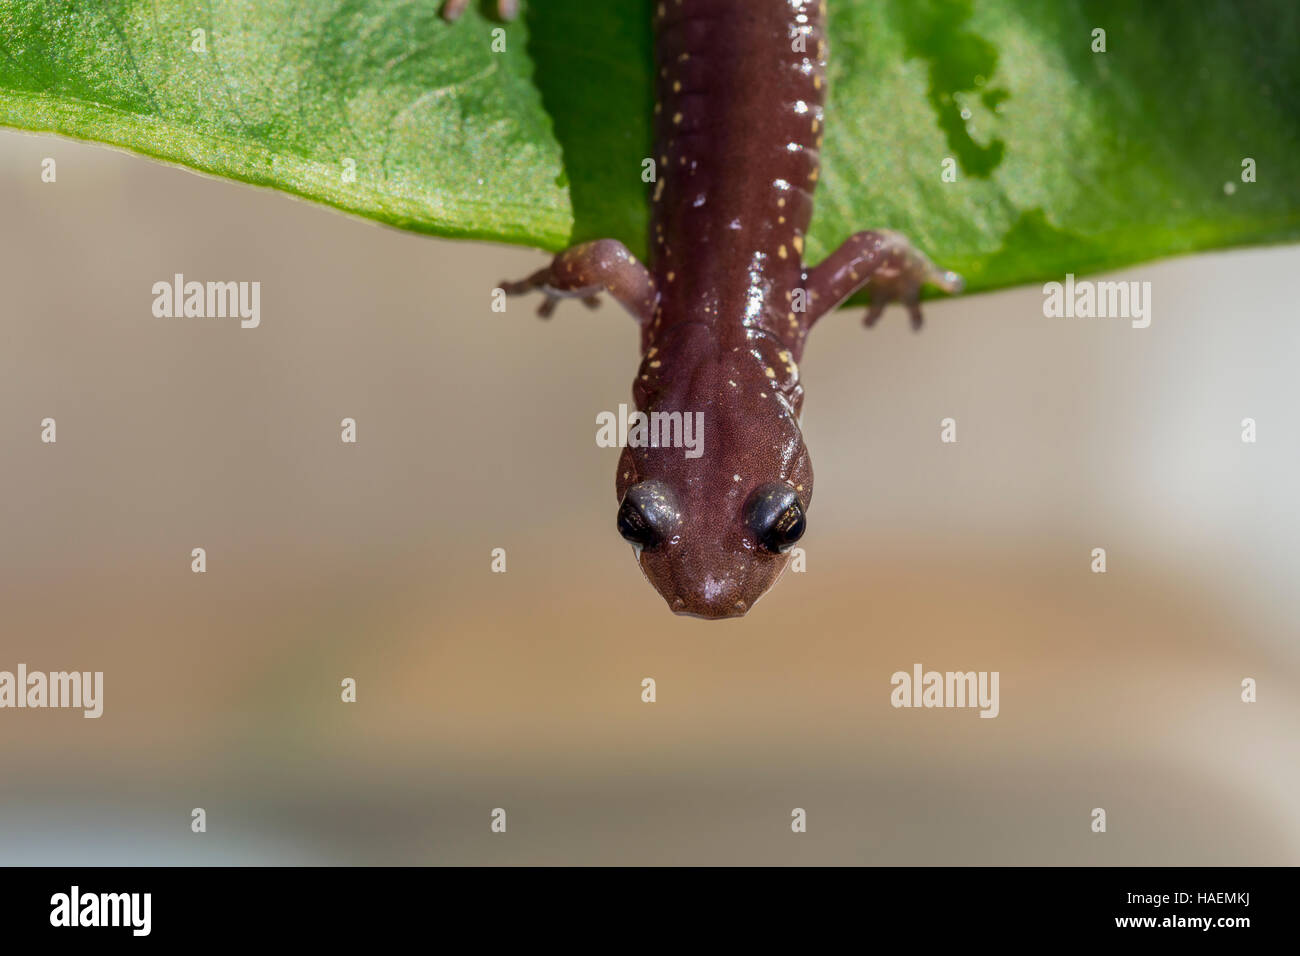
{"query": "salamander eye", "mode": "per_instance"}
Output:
(775, 514)
(647, 516)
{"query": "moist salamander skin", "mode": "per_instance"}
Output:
(725, 302)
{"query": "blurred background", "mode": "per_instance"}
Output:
(523, 690)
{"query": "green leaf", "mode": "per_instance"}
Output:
(447, 136)
(1066, 159)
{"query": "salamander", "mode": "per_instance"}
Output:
(725, 302)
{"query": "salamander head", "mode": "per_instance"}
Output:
(712, 533)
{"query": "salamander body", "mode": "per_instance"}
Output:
(725, 302)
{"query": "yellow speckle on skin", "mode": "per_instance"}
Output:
(784, 356)
(781, 252)
(853, 275)
(815, 124)
(671, 276)
(663, 160)
(654, 350)
(762, 394)
(659, 192)
(659, 108)
(677, 86)
(656, 363)
(780, 202)
(820, 139)
(682, 58)
(780, 219)
(798, 487)
(817, 81)
(769, 372)
(812, 177)
(677, 118)
(798, 244)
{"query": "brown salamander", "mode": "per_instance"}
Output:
(726, 302)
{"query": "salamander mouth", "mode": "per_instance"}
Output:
(738, 609)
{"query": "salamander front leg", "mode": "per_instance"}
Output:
(585, 271)
(884, 263)
(506, 9)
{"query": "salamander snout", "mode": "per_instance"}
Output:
(711, 563)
